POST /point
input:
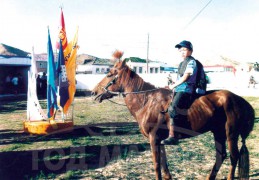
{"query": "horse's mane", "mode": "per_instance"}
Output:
(131, 78)
(117, 54)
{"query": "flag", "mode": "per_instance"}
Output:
(70, 62)
(33, 69)
(62, 33)
(51, 88)
(34, 110)
(62, 80)
(67, 48)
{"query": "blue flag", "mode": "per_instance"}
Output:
(51, 88)
(62, 79)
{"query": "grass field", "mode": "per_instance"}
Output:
(105, 144)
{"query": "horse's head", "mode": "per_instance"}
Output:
(110, 85)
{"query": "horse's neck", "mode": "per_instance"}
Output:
(132, 82)
(136, 101)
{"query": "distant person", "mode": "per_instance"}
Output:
(38, 85)
(184, 89)
(8, 82)
(2, 85)
(251, 81)
(44, 85)
(20, 80)
(256, 66)
(15, 83)
(169, 80)
(8, 79)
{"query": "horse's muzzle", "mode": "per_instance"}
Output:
(99, 98)
(102, 96)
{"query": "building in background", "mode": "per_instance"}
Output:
(13, 63)
(220, 68)
(88, 64)
(154, 67)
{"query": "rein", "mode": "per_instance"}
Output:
(116, 102)
(126, 93)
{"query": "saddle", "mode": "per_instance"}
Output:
(182, 125)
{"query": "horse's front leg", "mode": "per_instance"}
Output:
(164, 164)
(155, 148)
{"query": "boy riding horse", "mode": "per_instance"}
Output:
(184, 89)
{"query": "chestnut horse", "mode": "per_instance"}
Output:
(221, 112)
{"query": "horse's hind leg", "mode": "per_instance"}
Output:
(220, 145)
(234, 155)
(164, 165)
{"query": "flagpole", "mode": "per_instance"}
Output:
(147, 52)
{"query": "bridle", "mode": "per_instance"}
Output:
(113, 81)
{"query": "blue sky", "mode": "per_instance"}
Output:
(227, 28)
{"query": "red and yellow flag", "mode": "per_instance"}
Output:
(70, 53)
(70, 61)
(62, 33)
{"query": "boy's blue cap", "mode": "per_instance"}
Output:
(186, 44)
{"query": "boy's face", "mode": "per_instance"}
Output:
(185, 52)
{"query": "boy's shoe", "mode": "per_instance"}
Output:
(170, 141)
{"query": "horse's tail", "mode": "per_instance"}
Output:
(248, 116)
(246, 128)
(243, 163)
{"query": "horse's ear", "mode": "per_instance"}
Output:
(123, 63)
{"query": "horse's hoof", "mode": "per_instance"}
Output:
(167, 177)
